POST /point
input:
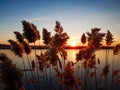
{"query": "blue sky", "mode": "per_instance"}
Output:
(76, 16)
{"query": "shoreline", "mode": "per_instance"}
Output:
(2, 46)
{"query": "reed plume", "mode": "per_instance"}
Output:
(30, 31)
(19, 36)
(60, 38)
(46, 36)
(27, 48)
(95, 38)
(83, 38)
(21, 40)
(67, 78)
(109, 38)
(17, 48)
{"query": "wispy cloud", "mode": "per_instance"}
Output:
(39, 19)
(46, 18)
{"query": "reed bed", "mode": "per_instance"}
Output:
(51, 70)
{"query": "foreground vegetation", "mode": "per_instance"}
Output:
(57, 72)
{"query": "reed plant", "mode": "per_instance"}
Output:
(109, 41)
(31, 33)
(17, 49)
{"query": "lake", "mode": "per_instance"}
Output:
(79, 72)
(71, 57)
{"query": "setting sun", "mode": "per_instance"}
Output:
(73, 43)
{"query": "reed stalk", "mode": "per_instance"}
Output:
(31, 70)
(46, 75)
(96, 84)
(37, 68)
(26, 77)
(85, 80)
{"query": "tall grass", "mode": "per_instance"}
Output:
(58, 72)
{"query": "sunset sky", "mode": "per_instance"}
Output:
(76, 16)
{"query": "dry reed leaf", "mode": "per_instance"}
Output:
(98, 61)
(60, 64)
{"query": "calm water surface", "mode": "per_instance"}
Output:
(71, 57)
